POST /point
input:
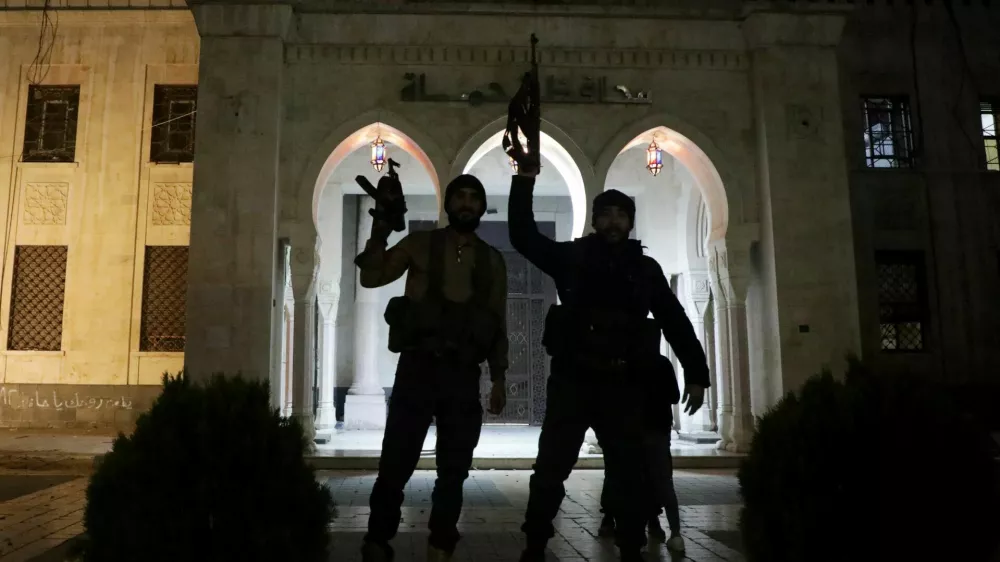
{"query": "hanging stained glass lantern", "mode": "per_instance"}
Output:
(378, 154)
(654, 158)
(513, 163)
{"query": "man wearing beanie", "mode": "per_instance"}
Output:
(451, 318)
(605, 352)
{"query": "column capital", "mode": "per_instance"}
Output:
(260, 19)
(765, 26)
(304, 268)
(699, 292)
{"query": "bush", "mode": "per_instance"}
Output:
(211, 473)
(871, 468)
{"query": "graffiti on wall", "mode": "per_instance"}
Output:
(25, 400)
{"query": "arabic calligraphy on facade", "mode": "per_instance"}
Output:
(586, 90)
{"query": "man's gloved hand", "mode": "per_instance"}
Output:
(498, 398)
(694, 397)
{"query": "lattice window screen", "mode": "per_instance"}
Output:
(164, 299)
(36, 301)
(902, 298)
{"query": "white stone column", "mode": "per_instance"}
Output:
(234, 211)
(723, 388)
(365, 406)
(699, 297)
(304, 266)
(731, 266)
(711, 399)
(326, 416)
(741, 432)
(807, 265)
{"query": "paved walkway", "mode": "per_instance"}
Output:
(494, 508)
(40, 521)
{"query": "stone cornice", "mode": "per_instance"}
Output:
(703, 9)
(505, 56)
(98, 18)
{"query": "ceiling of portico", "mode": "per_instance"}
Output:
(627, 174)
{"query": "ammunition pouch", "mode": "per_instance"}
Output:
(463, 332)
(607, 333)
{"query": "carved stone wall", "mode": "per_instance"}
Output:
(45, 203)
(171, 204)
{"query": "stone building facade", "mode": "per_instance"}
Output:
(827, 185)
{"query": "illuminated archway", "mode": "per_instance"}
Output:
(556, 147)
(362, 138)
(690, 148)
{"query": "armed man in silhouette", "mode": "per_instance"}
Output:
(451, 318)
(604, 347)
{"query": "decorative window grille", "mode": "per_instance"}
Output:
(902, 299)
(164, 299)
(989, 112)
(36, 301)
(50, 124)
(172, 135)
(888, 132)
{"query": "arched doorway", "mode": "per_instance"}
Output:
(355, 369)
(681, 210)
(559, 205)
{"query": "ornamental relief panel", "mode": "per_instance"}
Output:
(171, 204)
(45, 203)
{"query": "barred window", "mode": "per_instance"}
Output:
(888, 132)
(164, 299)
(902, 300)
(989, 112)
(36, 300)
(172, 135)
(50, 124)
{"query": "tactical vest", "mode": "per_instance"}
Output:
(603, 320)
(465, 331)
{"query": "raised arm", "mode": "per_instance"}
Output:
(497, 360)
(677, 328)
(545, 253)
(380, 266)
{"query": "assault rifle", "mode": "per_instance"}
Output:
(390, 206)
(524, 118)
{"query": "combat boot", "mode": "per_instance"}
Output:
(607, 528)
(655, 531)
(435, 554)
(376, 552)
(675, 543)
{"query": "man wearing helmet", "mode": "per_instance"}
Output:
(451, 318)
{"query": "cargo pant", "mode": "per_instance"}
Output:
(577, 400)
(427, 387)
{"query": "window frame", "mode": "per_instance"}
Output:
(991, 106)
(902, 134)
(14, 334)
(916, 312)
(33, 145)
(164, 127)
(152, 343)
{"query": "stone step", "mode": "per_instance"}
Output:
(596, 462)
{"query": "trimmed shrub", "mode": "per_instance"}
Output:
(869, 468)
(211, 473)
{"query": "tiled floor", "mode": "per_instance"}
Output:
(36, 522)
(495, 502)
